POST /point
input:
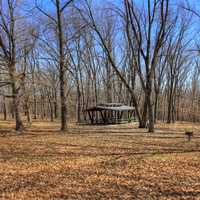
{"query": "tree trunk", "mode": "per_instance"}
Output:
(108, 83)
(34, 104)
(150, 113)
(12, 110)
(143, 122)
(4, 108)
(78, 104)
(28, 114)
(51, 110)
(55, 105)
(16, 99)
(61, 69)
(150, 106)
(169, 109)
(16, 103)
(156, 106)
(27, 110)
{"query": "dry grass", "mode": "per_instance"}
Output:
(99, 162)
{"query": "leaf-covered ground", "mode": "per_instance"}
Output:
(99, 162)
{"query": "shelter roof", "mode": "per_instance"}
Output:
(111, 107)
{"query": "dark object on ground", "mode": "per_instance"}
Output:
(189, 134)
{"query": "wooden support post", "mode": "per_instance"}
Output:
(91, 117)
(105, 116)
(96, 116)
(102, 116)
(121, 115)
(118, 114)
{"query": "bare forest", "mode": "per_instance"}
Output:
(106, 92)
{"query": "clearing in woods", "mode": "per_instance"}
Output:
(99, 162)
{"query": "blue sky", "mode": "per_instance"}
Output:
(48, 3)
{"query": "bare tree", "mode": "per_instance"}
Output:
(58, 23)
(8, 43)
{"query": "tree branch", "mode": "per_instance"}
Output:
(65, 5)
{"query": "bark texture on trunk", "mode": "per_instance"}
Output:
(61, 68)
(4, 108)
(16, 104)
